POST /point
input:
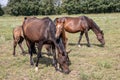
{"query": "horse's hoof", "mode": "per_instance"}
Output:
(14, 55)
(79, 46)
(89, 45)
(36, 69)
(23, 53)
(41, 57)
(32, 63)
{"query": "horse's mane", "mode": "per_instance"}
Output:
(93, 23)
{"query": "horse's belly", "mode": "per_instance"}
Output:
(72, 30)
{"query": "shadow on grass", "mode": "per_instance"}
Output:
(99, 45)
(44, 60)
(82, 44)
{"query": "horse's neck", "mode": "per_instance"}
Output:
(95, 30)
(63, 35)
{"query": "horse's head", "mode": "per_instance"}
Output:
(59, 22)
(63, 63)
(63, 57)
(100, 37)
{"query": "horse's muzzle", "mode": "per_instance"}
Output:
(103, 44)
(66, 71)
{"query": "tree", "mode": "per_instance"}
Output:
(1, 11)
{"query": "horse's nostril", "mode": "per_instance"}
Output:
(103, 43)
(67, 71)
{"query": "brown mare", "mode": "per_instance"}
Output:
(78, 24)
(42, 31)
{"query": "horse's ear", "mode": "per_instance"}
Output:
(25, 18)
(55, 20)
(63, 20)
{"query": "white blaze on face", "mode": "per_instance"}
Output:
(58, 30)
(58, 26)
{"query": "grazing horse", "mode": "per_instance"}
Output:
(42, 31)
(78, 24)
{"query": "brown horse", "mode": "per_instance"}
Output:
(18, 38)
(42, 31)
(78, 24)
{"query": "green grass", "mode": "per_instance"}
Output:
(94, 63)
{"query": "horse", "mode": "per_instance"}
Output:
(78, 24)
(18, 39)
(42, 31)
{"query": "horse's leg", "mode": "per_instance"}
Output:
(14, 46)
(39, 54)
(34, 49)
(87, 38)
(20, 45)
(29, 44)
(81, 34)
(54, 57)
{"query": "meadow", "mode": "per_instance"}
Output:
(87, 63)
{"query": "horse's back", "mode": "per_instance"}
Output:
(75, 24)
(17, 32)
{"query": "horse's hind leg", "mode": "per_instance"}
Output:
(39, 46)
(20, 45)
(34, 48)
(14, 46)
(87, 38)
(81, 34)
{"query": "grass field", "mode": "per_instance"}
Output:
(94, 63)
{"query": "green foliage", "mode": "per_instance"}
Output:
(30, 7)
(50, 7)
(91, 6)
(1, 11)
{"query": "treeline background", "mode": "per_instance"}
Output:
(53, 7)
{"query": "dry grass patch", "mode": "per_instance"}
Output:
(94, 63)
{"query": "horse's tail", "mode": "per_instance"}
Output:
(25, 18)
(13, 33)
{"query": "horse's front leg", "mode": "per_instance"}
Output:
(81, 34)
(87, 38)
(39, 46)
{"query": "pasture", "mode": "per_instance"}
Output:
(87, 63)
